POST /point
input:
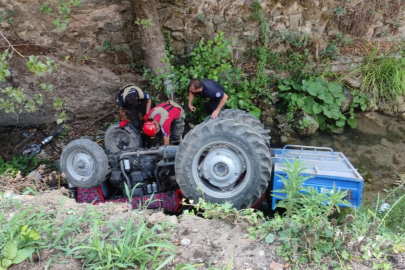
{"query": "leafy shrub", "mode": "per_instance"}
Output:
(331, 51)
(212, 59)
(297, 64)
(321, 99)
(25, 164)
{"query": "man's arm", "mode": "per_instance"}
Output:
(166, 140)
(148, 105)
(190, 102)
(221, 104)
(122, 114)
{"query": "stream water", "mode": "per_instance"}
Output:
(376, 148)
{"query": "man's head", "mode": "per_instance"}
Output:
(195, 86)
(151, 128)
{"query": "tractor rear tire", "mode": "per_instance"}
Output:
(223, 161)
(247, 119)
(84, 163)
(117, 139)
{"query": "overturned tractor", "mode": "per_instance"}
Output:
(222, 160)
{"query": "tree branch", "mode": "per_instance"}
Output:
(11, 46)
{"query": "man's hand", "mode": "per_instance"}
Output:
(124, 123)
(191, 107)
(214, 114)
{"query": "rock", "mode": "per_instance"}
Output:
(295, 21)
(34, 176)
(185, 242)
(165, 13)
(352, 82)
(349, 98)
(178, 47)
(175, 24)
(401, 108)
(24, 197)
(338, 130)
(261, 253)
(160, 218)
(209, 29)
(284, 139)
(112, 26)
(308, 127)
(172, 220)
(385, 143)
(403, 116)
(178, 36)
(396, 159)
(276, 266)
(218, 20)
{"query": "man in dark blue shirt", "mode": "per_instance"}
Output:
(210, 90)
(133, 101)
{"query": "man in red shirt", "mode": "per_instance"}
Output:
(166, 117)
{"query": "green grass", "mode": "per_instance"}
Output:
(383, 77)
(128, 242)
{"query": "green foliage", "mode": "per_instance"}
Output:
(5, 56)
(393, 217)
(308, 234)
(64, 9)
(108, 47)
(144, 23)
(320, 99)
(46, 8)
(18, 247)
(23, 164)
(339, 11)
(293, 39)
(133, 246)
(331, 51)
(383, 77)
(6, 15)
(297, 64)
(342, 39)
(15, 99)
(39, 68)
(212, 59)
(129, 242)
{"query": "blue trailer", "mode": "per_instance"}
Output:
(326, 168)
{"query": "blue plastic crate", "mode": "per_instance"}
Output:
(325, 167)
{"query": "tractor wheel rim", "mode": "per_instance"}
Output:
(220, 169)
(121, 140)
(80, 165)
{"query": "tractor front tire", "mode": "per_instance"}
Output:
(223, 161)
(84, 163)
(247, 119)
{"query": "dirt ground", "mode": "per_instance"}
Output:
(197, 240)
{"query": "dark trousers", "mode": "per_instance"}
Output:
(177, 127)
(134, 114)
